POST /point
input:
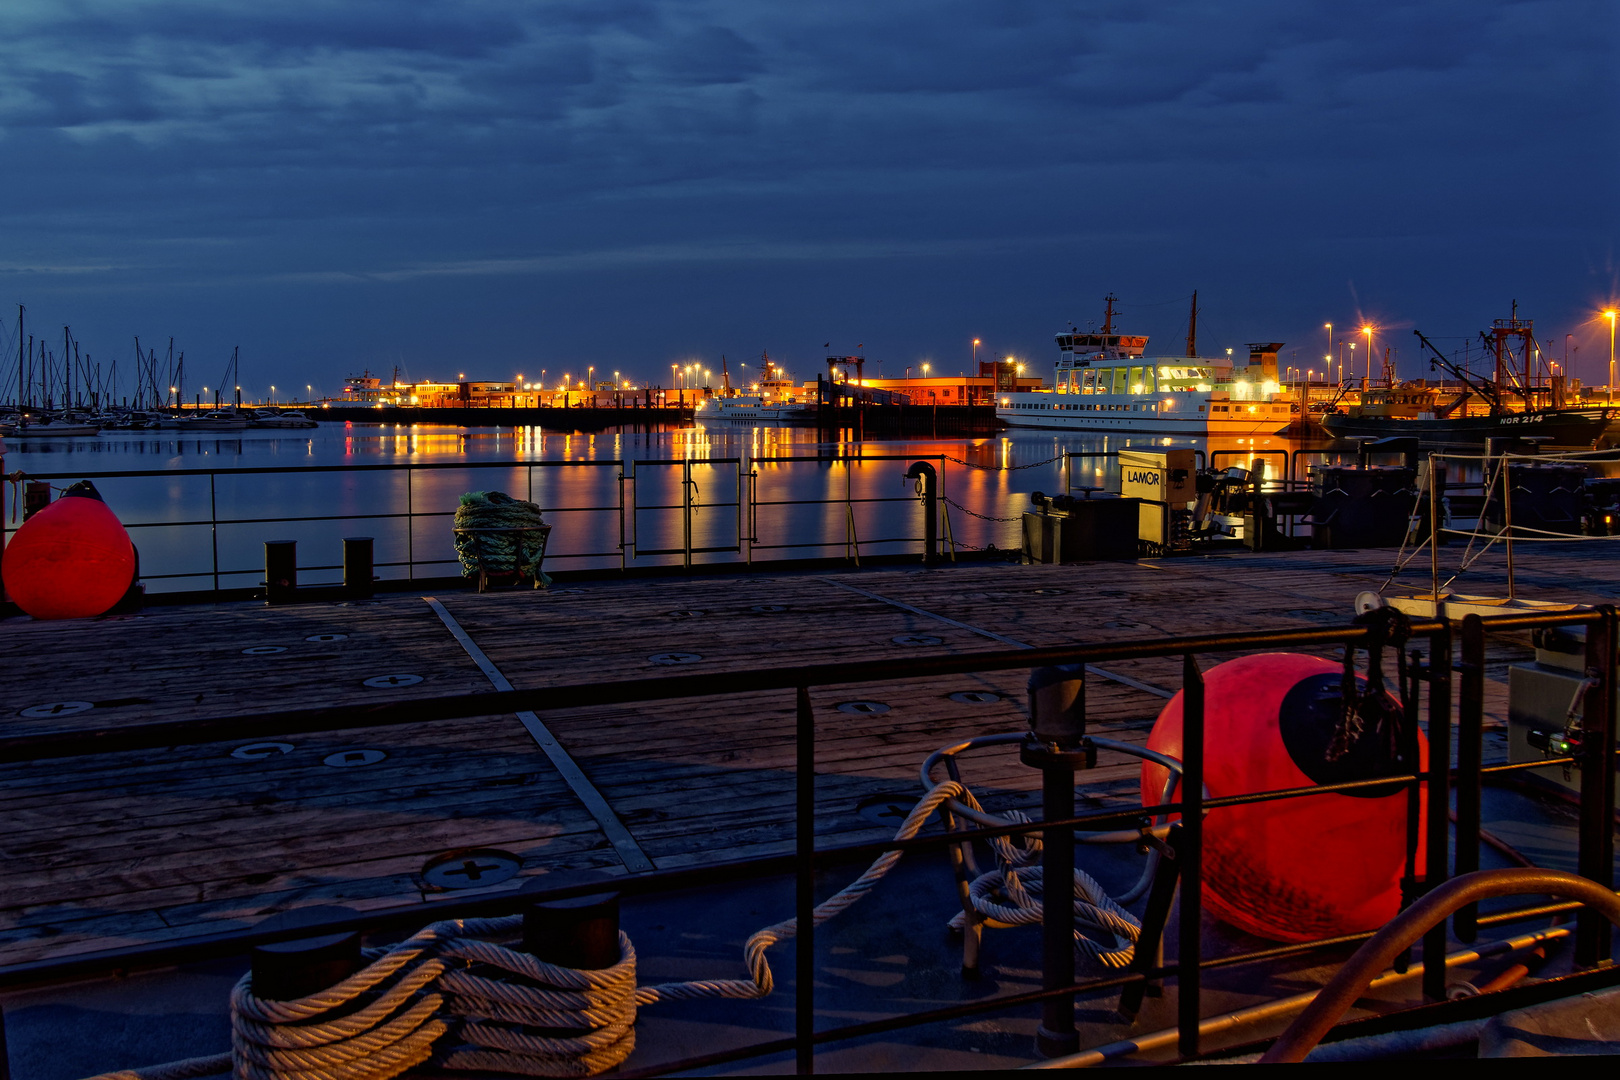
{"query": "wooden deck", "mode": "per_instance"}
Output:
(123, 848)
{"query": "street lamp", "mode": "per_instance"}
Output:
(272, 393)
(975, 354)
(1610, 314)
(1329, 327)
(1353, 363)
(1368, 330)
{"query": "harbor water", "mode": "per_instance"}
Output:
(621, 497)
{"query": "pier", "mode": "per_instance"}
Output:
(191, 770)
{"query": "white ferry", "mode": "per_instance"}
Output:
(1105, 382)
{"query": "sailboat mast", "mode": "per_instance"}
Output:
(21, 379)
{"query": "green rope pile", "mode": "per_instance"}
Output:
(499, 553)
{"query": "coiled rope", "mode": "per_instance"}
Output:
(448, 996)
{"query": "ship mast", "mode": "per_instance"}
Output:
(1192, 327)
(1108, 315)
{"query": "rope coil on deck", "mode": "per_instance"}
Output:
(450, 997)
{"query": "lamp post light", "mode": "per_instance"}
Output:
(1368, 330)
(1353, 362)
(1329, 356)
(975, 354)
(1610, 314)
(309, 394)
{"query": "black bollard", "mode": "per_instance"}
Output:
(280, 571)
(288, 970)
(930, 483)
(357, 567)
(580, 932)
(36, 497)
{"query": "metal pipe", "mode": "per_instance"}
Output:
(1470, 754)
(1271, 1010)
(1351, 980)
(1190, 934)
(804, 984)
(1439, 832)
(1596, 853)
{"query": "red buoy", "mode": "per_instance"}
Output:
(71, 560)
(1304, 868)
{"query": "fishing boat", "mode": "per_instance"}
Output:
(774, 399)
(1105, 381)
(1514, 402)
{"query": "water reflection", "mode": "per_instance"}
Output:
(601, 489)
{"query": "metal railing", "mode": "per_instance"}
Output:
(1428, 817)
(743, 501)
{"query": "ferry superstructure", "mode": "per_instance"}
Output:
(1105, 381)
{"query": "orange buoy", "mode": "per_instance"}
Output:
(1304, 868)
(71, 560)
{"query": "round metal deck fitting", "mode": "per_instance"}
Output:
(327, 637)
(260, 750)
(917, 640)
(870, 707)
(1049, 592)
(665, 658)
(349, 759)
(767, 609)
(683, 614)
(889, 810)
(974, 697)
(56, 708)
(470, 869)
(264, 650)
(390, 682)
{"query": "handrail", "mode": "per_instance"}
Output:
(1351, 980)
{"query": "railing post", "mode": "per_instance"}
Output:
(686, 510)
(213, 527)
(1057, 745)
(1470, 758)
(1593, 933)
(1189, 979)
(804, 983)
(1439, 831)
(288, 970)
(357, 566)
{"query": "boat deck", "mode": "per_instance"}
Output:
(117, 849)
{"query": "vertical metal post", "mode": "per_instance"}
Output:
(280, 571)
(922, 470)
(1056, 1035)
(623, 551)
(1436, 476)
(1507, 516)
(213, 528)
(1189, 944)
(410, 526)
(804, 981)
(1595, 859)
(1470, 756)
(358, 566)
(1434, 942)
(686, 510)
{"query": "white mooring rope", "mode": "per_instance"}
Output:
(448, 996)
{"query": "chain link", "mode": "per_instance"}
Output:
(982, 517)
(1002, 468)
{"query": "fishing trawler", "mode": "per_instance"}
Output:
(1515, 401)
(774, 399)
(1105, 381)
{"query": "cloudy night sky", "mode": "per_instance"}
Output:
(493, 186)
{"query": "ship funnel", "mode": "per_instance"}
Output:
(1263, 359)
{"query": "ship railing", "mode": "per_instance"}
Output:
(1452, 706)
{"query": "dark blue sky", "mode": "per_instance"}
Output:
(496, 187)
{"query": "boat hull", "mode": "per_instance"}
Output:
(1561, 428)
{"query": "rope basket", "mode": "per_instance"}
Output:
(498, 534)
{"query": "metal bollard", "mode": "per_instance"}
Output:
(580, 932)
(930, 495)
(280, 571)
(288, 970)
(1057, 745)
(357, 567)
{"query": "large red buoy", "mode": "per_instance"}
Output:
(71, 560)
(1298, 869)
